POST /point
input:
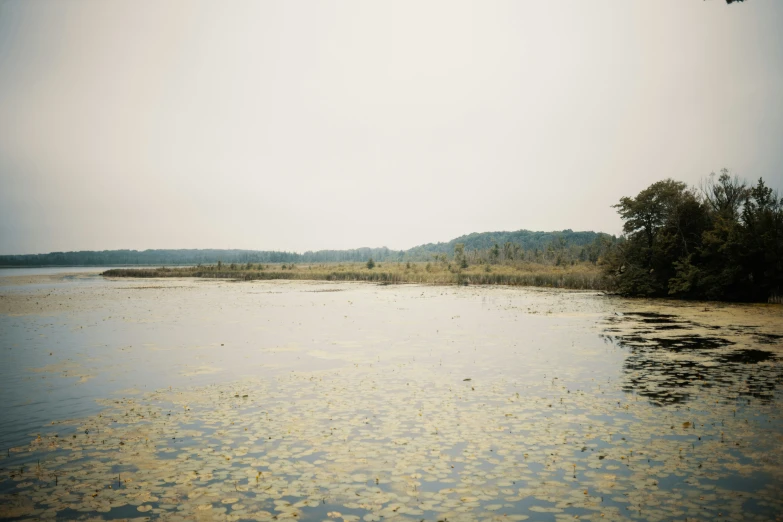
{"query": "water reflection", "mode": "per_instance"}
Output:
(673, 368)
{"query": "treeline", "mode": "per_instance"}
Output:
(543, 246)
(188, 257)
(147, 257)
(561, 250)
(524, 240)
(722, 241)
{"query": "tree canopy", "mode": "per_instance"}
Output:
(724, 241)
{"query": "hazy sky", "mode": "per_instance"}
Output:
(307, 125)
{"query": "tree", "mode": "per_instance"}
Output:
(663, 225)
(725, 195)
(494, 253)
(370, 264)
(762, 242)
(459, 255)
(647, 212)
(724, 242)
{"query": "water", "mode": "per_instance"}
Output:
(50, 271)
(183, 399)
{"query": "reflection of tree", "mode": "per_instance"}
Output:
(674, 370)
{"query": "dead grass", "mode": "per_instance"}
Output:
(580, 276)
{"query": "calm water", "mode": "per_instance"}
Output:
(184, 400)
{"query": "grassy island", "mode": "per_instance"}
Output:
(576, 276)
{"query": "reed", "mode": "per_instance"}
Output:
(583, 276)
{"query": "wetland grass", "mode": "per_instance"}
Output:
(582, 276)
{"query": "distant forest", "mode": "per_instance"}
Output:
(521, 245)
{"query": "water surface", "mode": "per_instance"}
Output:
(192, 399)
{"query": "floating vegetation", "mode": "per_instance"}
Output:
(768, 338)
(366, 444)
(436, 404)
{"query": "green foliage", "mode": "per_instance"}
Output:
(645, 214)
(723, 243)
(636, 281)
(686, 277)
(370, 264)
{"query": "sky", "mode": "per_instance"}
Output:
(292, 125)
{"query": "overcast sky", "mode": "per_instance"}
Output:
(301, 125)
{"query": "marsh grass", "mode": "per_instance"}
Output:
(583, 276)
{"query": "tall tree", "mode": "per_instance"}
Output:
(663, 225)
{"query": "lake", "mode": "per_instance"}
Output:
(218, 400)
